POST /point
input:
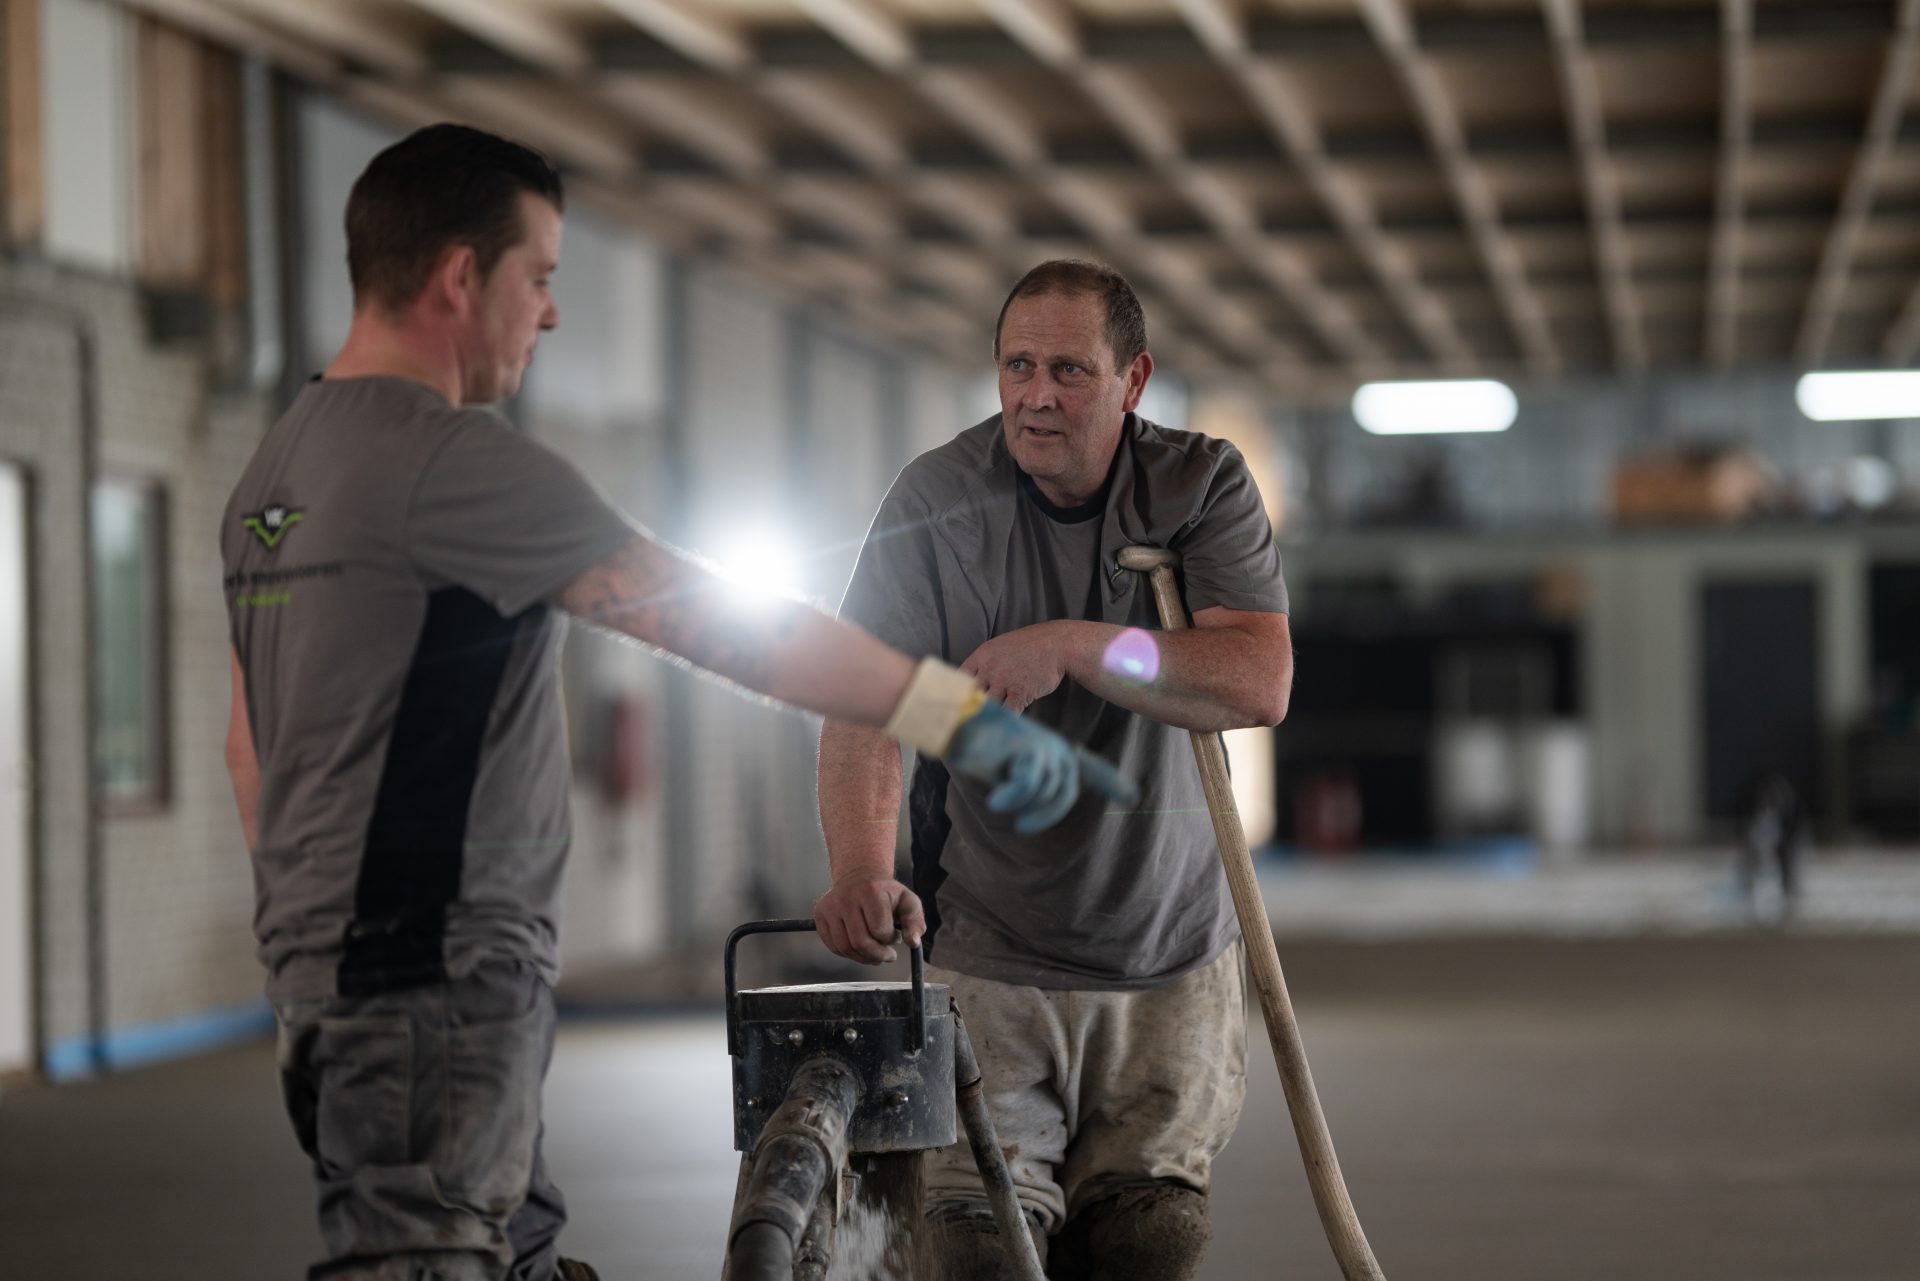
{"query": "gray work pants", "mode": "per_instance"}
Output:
(421, 1112)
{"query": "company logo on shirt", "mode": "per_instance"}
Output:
(271, 523)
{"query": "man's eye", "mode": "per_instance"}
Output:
(1017, 365)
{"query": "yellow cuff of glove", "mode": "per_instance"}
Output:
(939, 699)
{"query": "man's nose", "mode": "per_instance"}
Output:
(1040, 392)
(550, 318)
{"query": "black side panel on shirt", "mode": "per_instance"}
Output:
(411, 870)
(927, 829)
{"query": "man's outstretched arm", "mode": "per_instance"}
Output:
(784, 649)
(794, 653)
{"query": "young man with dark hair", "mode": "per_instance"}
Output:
(397, 562)
(1098, 964)
(448, 183)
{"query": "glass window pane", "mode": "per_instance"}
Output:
(127, 556)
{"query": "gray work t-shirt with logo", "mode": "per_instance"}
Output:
(965, 548)
(387, 561)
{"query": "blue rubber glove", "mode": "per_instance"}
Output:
(1035, 772)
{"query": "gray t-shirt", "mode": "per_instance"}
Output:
(387, 558)
(965, 548)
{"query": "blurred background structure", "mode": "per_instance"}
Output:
(1544, 668)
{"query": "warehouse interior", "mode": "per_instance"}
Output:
(1540, 658)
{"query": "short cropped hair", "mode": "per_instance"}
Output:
(438, 187)
(1126, 322)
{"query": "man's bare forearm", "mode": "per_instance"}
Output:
(243, 761)
(865, 911)
(860, 781)
(246, 796)
(783, 649)
(1205, 678)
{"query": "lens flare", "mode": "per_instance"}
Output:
(1133, 654)
(759, 570)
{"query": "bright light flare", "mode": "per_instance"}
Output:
(1855, 395)
(1449, 405)
(1133, 654)
(760, 568)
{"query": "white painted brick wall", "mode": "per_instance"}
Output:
(177, 889)
(39, 408)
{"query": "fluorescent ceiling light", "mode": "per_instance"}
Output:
(1853, 396)
(1456, 404)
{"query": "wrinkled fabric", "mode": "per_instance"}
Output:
(1114, 896)
(1091, 1091)
(420, 1110)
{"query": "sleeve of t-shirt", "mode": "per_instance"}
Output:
(895, 591)
(507, 518)
(1227, 553)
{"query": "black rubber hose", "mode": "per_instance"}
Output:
(801, 1150)
(987, 1155)
(761, 1252)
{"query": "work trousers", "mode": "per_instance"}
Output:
(1092, 1091)
(421, 1112)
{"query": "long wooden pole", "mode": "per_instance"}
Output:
(1263, 959)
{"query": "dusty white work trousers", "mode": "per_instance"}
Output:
(1090, 1091)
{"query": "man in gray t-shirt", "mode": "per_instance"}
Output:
(388, 601)
(1097, 962)
(396, 566)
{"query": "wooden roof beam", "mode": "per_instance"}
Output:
(537, 39)
(694, 34)
(867, 29)
(1586, 127)
(569, 131)
(241, 31)
(827, 109)
(1222, 30)
(836, 115)
(365, 37)
(1736, 129)
(857, 215)
(1045, 28)
(730, 144)
(575, 137)
(887, 44)
(1050, 34)
(1393, 32)
(524, 32)
(1856, 200)
(749, 211)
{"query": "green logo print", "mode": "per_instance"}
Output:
(272, 523)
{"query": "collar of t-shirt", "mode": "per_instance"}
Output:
(1088, 510)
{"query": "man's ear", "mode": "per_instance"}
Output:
(1137, 374)
(456, 279)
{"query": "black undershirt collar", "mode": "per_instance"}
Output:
(1086, 511)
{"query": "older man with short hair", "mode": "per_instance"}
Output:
(1098, 964)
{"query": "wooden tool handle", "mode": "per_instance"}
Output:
(1330, 1197)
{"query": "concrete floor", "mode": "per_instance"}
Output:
(1720, 1108)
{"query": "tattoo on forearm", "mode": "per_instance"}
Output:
(654, 595)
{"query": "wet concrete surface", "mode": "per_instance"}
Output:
(1721, 1108)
